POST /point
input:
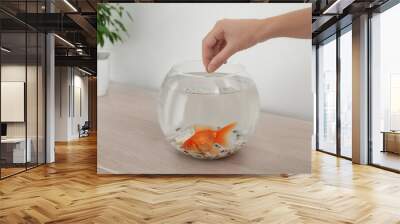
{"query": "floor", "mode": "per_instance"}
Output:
(5, 172)
(70, 191)
(387, 159)
(10, 171)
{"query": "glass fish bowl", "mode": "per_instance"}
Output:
(208, 115)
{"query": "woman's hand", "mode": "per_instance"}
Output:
(232, 35)
(228, 37)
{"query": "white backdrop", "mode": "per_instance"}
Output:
(162, 35)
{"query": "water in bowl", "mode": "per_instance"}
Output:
(208, 116)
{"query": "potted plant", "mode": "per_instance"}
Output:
(109, 28)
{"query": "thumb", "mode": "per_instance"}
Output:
(221, 58)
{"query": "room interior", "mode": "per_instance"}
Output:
(49, 92)
(334, 84)
(25, 68)
(22, 102)
(385, 91)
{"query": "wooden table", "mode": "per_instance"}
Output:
(391, 141)
(130, 141)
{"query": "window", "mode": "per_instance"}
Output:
(22, 77)
(334, 106)
(327, 96)
(385, 89)
(346, 93)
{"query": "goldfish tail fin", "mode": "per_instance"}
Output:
(223, 132)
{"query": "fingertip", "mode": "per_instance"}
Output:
(211, 67)
(206, 63)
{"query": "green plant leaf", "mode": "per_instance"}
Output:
(109, 25)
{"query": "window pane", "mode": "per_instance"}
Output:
(14, 153)
(31, 89)
(31, 98)
(41, 99)
(327, 97)
(346, 94)
(386, 89)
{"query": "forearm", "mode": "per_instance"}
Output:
(295, 24)
(232, 35)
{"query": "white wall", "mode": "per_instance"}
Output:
(9, 73)
(15, 72)
(33, 127)
(80, 83)
(66, 121)
(61, 103)
(162, 35)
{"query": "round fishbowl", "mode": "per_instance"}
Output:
(208, 115)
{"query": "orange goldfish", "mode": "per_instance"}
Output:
(204, 139)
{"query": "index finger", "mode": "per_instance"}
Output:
(209, 43)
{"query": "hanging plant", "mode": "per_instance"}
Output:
(109, 24)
